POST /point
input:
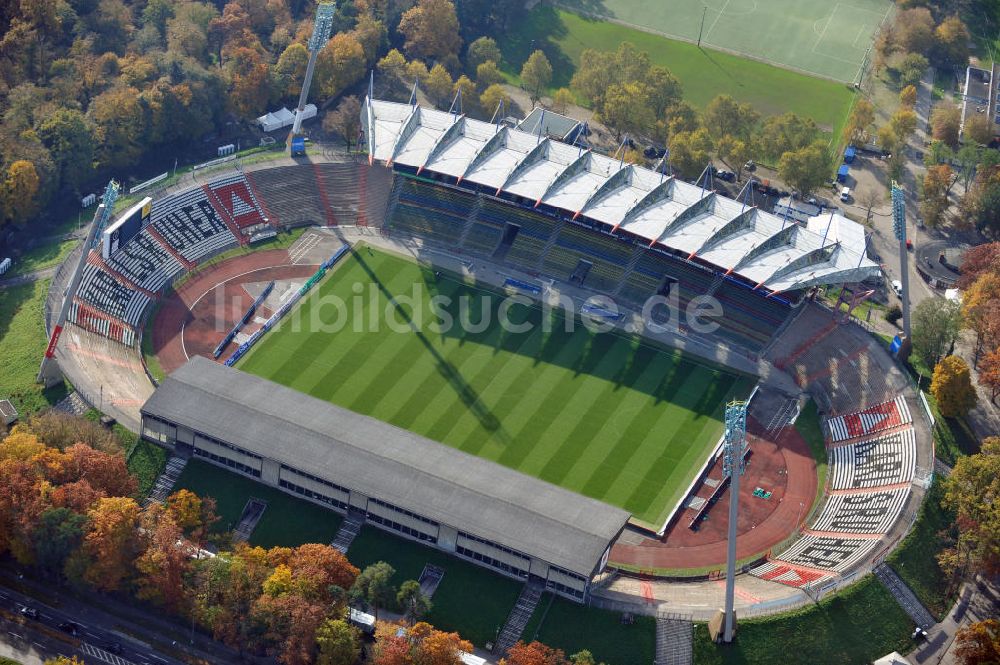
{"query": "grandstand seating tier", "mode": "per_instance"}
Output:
(888, 459)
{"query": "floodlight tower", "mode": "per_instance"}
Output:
(322, 27)
(103, 215)
(899, 229)
(733, 449)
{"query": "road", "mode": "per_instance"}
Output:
(143, 637)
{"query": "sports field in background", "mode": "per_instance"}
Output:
(601, 414)
(827, 39)
(703, 73)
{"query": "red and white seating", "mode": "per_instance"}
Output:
(888, 459)
(238, 201)
(875, 419)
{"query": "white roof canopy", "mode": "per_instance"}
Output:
(768, 250)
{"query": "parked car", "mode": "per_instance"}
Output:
(897, 287)
(29, 612)
(750, 166)
(845, 194)
(726, 176)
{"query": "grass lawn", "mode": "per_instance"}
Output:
(287, 522)
(471, 600)
(571, 627)
(47, 255)
(809, 427)
(601, 414)
(145, 461)
(704, 73)
(915, 559)
(148, 354)
(22, 345)
(856, 626)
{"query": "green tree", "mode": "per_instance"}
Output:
(487, 74)
(690, 151)
(936, 324)
(626, 109)
(337, 643)
(374, 586)
(412, 600)
(724, 116)
(290, 69)
(339, 65)
(438, 85)
(57, 535)
(470, 98)
(536, 74)
(562, 99)
(951, 44)
(946, 122)
(393, 67)
(911, 69)
(483, 49)
(861, 118)
(952, 387)
(805, 169)
(119, 127)
(971, 490)
(786, 132)
(934, 193)
(979, 129)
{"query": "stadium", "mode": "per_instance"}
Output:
(579, 454)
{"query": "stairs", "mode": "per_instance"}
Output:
(519, 617)
(73, 404)
(674, 642)
(904, 596)
(348, 531)
(716, 283)
(252, 513)
(430, 579)
(390, 208)
(782, 416)
(257, 201)
(470, 219)
(223, 214)
(633, 261)
(158, 237)
(166, 481)
(331, 220)
(550, 243)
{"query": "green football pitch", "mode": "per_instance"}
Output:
(604, 414)
(828, 39)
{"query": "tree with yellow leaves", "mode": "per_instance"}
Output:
(952, 387)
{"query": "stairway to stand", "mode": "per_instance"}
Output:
(166, 480)
(348, 531)
(519, 617)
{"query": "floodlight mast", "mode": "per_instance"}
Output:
(322, 27)
(733, 450)
(899, 229)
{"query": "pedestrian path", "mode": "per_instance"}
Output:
(166, 480)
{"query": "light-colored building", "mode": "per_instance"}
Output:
(982, 88)
(478, 510)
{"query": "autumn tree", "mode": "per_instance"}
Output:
(339, 65)
(981, 309)
(70, 138)
(536, 74)
(562, 99)
(464, 92)
(984, 258)
(970, 490)
(786, 132)
(413, 601)
(936, 324)
(431, 30)
(861, 118)
(491, 99)
(439, 85)
(57, 535)
(165, 560)
(952, 387)
(951, 44)
(290, 69)
(805, 169)
(978, 643)
(934, 193)
(989, 373)
(119, 127)
(20, 189)
(290, 623)
(979, 129)
(534, 653)
(374, 586)
(487, 74)
(61, 430)
(436, 647)
(111, 542)
(908, 97)
(690, 151)
(345, 120)
(946, 122)
(337, 643)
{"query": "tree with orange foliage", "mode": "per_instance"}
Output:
(165, 561)
(105, 473)
(226, 589)
(951, 386)
(20, 444)
(978, 642)
(534, 653)
(317, 569)
(434, 647)
(989, 373)
(290, 621)
(185, 508)
(392, 650)
(249, 83)
(981, 309)
(78, 496)
(978, 260)
(111, 542)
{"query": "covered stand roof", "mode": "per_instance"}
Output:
(380, 460)
(736, 237)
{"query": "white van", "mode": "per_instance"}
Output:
(845, 194)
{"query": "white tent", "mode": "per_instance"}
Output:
(283, 118)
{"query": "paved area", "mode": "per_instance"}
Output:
(26, 278)
(978, 600)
